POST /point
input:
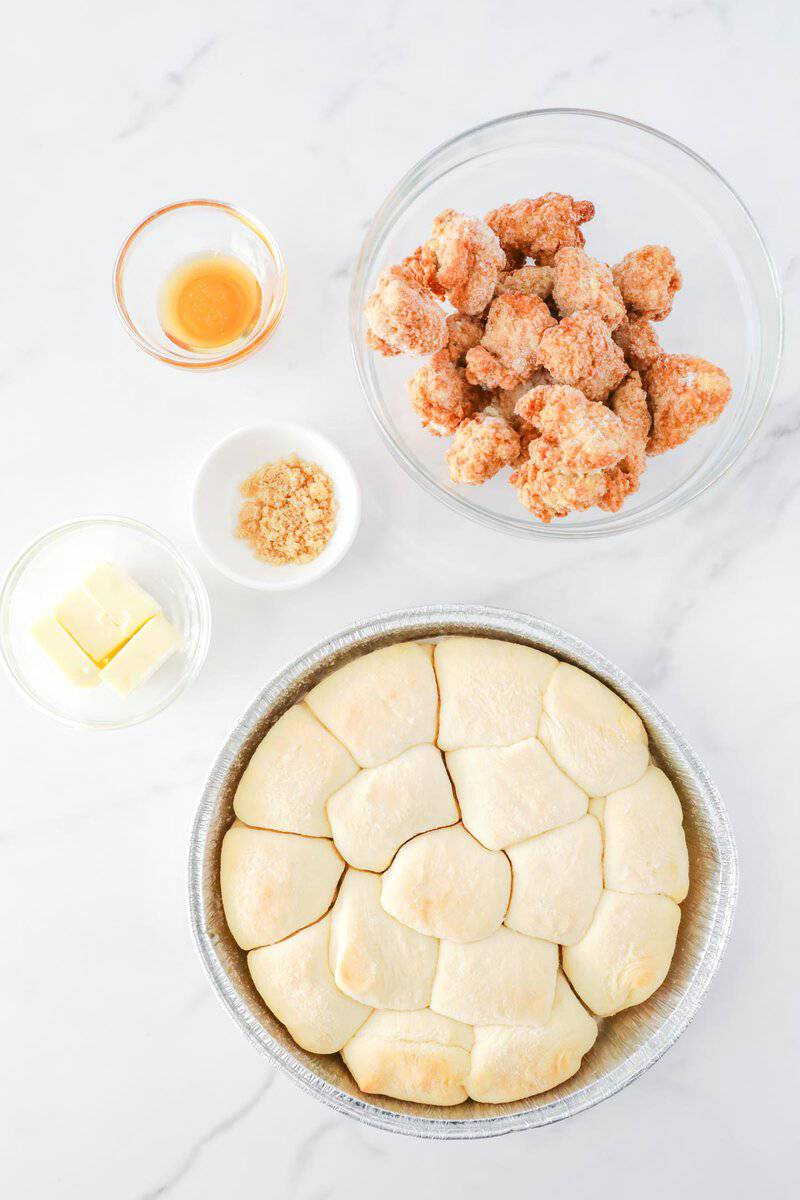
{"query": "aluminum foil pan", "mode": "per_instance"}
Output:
(629, 1043)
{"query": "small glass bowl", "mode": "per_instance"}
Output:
(168, 238)
(646, 188)
(58, 561)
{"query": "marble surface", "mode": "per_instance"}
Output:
(122, 1077)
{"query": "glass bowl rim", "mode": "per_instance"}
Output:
(222, 360)
(517, 527)
(185, 567)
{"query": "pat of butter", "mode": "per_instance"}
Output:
(142, 655)
(66, 653)
(89, 624)
(127, 604)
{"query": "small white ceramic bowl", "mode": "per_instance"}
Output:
(217, 500)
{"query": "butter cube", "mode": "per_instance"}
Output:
(127, 604)
(89, 624)
(142, 655)
(66, 653)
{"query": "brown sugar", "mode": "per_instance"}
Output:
(289, 513)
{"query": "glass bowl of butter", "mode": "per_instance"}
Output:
(103, 623)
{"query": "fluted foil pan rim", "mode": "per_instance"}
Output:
(434, 621)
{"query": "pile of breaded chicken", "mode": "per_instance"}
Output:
(549, 362)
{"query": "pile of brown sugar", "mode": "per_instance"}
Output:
(289, 513)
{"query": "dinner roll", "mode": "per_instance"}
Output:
(446, 884)
(491, 691)
(511, 1062)
(625, 953)
(385, 806)
(273, 884)
(417, 1056)
(374, 958)
(558, 877)
(508, 793)
(294, 770)
(381, 704)
(295, 981)
(644, 843)
(594, 736)
(504, 979)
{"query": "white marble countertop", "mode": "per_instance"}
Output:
(122, 1076)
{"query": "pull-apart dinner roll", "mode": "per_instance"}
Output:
(505, 979)
(446, 884)
(417, 1056)
(491, 691)
(273, 884)
(626, 952)
(511, 1062)
(384, 806)
(294, 979)
(594, 736)
(374, 958)
(644, 843)
(558, 878)
(381, 704)
(508, 793)
(294, 770)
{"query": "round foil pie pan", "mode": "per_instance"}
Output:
(629, 1043)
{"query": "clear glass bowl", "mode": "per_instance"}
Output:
(58, 561)
(646, 188)
(168, 238)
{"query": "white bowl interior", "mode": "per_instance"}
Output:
(629, 1043)
(217, 501)
(59, 561)
(646, 189)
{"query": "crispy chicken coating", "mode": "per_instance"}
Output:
(466, 258)
(549, 487)
(540, 227)
(514, 328)
(648, 279)
(403, 316)
(638, 341)
(629, 402)
(487, 372)
(440, 395)
(481, 447)
(584, 284)
(590, 436)
(579, 351)
(534, 281)
(462, 334)
(685, 393)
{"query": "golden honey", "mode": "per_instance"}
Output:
(209, 301)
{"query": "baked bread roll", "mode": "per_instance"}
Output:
(509, 793)
(374, 958)
(491, 691)
(381, 704)
(273, 884)
(447, 885)
(644, 843)
(417, 1056)
(511, 1062)
(384, 806)
(558, 878)
(294, 979)
(592, 734)
(625, 953)
(294, 770)
(504, 979)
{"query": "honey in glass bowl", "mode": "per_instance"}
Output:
(208, 301)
